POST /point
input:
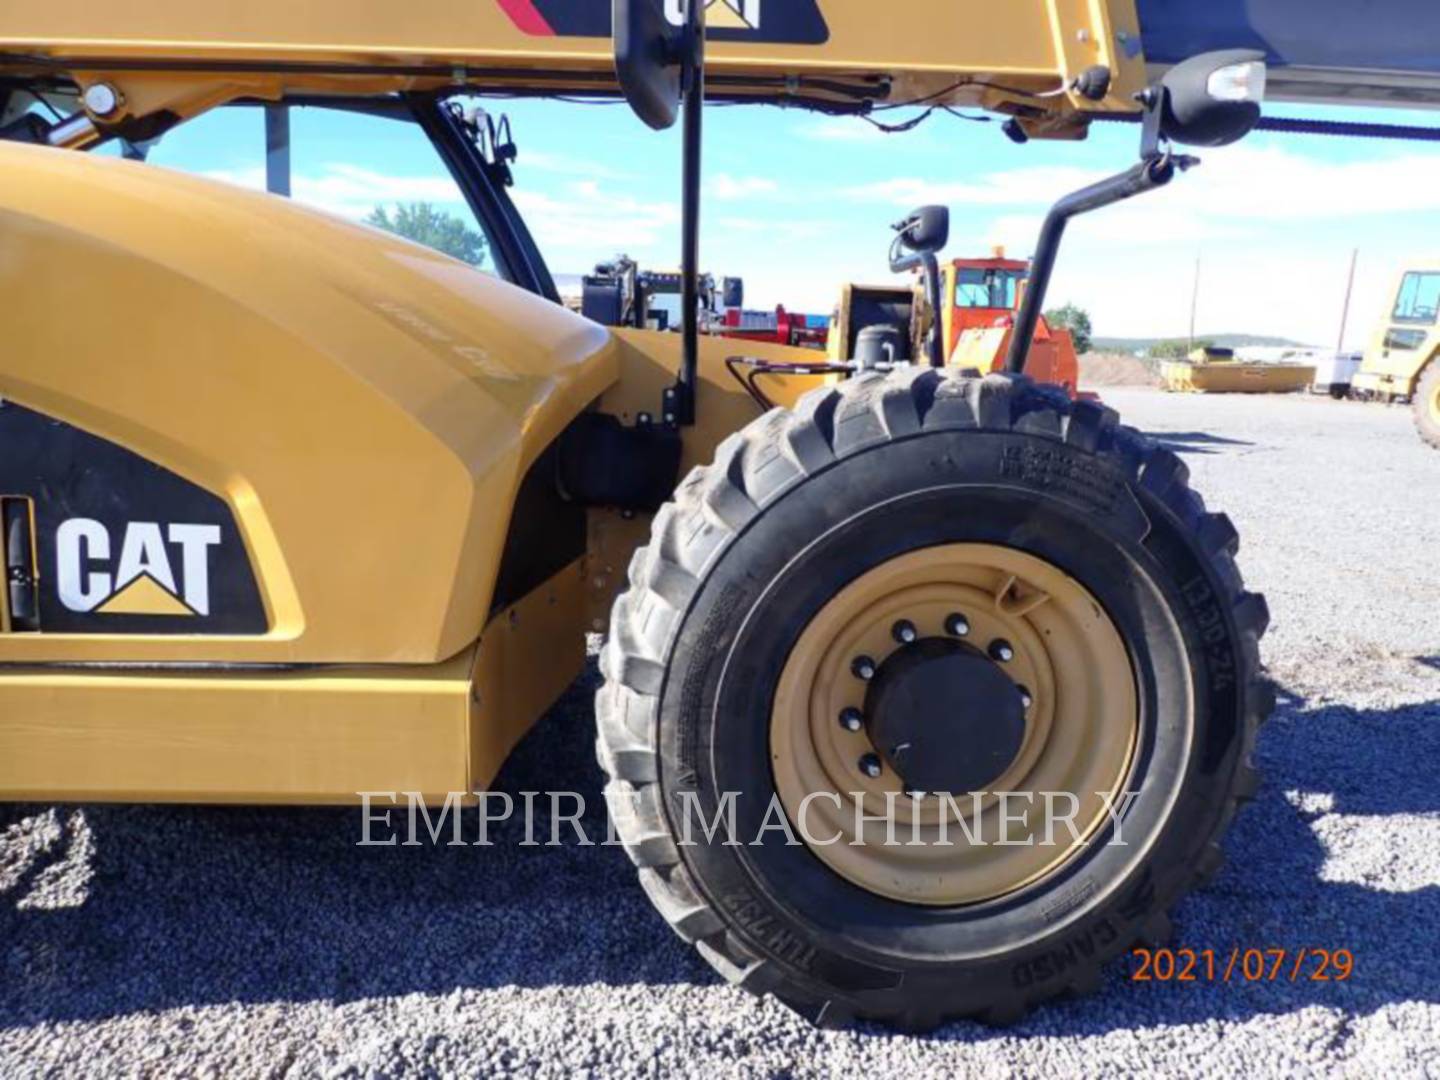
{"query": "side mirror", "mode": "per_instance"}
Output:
(648, 60)
(1212, 99)
(926, 230)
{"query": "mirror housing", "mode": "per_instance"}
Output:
(649, 54)
(1212, 99)
(925, 230)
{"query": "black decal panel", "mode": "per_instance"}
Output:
(124, 545)
(778, 22)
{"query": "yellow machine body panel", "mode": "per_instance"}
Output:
(366, 409)
(1407, 337)
(307, 736)
(860, 306)
(967, 55)
(364, 406)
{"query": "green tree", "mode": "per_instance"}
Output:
(1178, 348)
(423, 223)
(1076, 320)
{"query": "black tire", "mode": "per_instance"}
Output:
(1340, 391)
(1426, 404)
(748, 549)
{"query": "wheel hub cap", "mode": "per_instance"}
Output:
(945, 717)
(975, 673)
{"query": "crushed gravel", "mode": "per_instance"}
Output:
(263, 942)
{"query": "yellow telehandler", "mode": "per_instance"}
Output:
(1402, 359)
(295, 510)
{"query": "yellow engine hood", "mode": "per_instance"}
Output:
(366, 405)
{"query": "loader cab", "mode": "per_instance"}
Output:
(1407, 337)
(980, 291)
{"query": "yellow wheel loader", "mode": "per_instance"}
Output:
(1403, 357)
(296, 510)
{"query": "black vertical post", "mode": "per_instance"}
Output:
(683, 411)
(277, 149)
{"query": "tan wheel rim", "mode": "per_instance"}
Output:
(1435, 405)
(1079, 731)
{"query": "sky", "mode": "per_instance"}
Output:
(797, 204)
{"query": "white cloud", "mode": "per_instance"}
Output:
(566, 165)
(1272, 224)
(774, 230)
(813, 292)
(1247, 182)
(348, 190)
(1273, 183)
(1013, 187)
(1257, 292)
(840, 129)
(587, 222)
(1267, 222)
(731, 188)
(582, 222)
(1016, 233)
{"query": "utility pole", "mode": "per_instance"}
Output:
(1345, 310)
(1194, 303)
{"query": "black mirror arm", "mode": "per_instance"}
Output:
(929, 266)
(1152, 138)
(1146, 176)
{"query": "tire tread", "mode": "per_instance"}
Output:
(758, 465)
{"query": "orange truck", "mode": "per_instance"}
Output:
(981, 297)
(979, 300)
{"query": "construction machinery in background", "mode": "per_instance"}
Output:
(1213, 370)
(1402, 360)
(778, 327)
(297, 509)
(1334, 372)
(619, 293)
(978, 300)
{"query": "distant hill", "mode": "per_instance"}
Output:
(1224, 341)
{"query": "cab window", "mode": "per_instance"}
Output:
(377, 168)
(976, 288)
(1419, 299)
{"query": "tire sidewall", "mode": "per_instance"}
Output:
(1084, 513)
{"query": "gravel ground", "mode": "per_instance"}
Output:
(142, 941)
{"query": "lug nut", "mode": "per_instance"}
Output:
(1025, 699)
(851, 719)
(870, 766)
(957, 625)
(1000, 650)
(904, 632)
(862, 667)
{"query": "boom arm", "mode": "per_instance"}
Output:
(1046, 62)
(159, 61)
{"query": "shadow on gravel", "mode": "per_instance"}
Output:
(1324, 768)
(195, 906)
(1194, 442)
